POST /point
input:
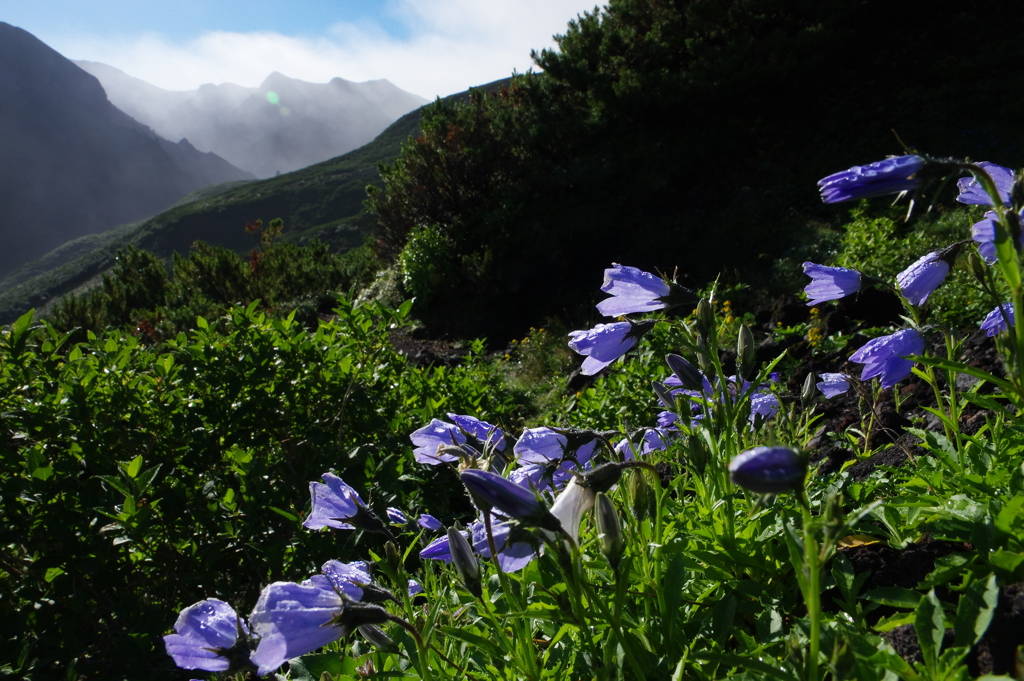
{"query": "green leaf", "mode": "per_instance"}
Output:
(894, 596)
(479, 642)
(930, 626)
(134, 467)
(280, 511)
(960, 367)
(974, 612)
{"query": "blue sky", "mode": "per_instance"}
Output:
(428, 47)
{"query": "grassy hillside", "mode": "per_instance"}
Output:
(323, 201)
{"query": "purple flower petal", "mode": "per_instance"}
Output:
(429, 522)
(430, 437)
(891, 176)
(768, 470)
(830, 283)
(203, 629)
(831, 385)
(346, 577)
(995, 321)
(632, 290)
(333, 503)
(919, 280)
(484, 432)
(292, 620)
(972, 193)
(885, 356)
(602, 345)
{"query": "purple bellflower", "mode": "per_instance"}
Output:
(924, 276)
(513, 555)
(347, 578)
(605, 343)
(972, 193)
(995, 321)
(429, 522)
(516, 501)
(334, 502)
(831, 385)
(204, 635)
(764, 405)
(635, 292)
(478, 435)
(654, 440)
(554, 453)
(414, 588)
(891, 176)
(984, 233)
(886, 356)
(830, 283)
(769, 470)
(292, 620)
(396, 517)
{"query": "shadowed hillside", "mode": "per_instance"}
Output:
(71, 163)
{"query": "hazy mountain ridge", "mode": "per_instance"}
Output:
(282, 125)
(71, 163)
(323, 201)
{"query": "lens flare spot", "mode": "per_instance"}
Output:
(273, 97)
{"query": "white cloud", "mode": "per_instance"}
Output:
(451, 45)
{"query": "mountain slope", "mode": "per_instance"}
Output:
(71, 163)
(282, 125)
(323, 201)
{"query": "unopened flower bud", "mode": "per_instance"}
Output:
(746, 352)
(697, 454)
(704, 358)
(769, 469)
(393, 557)
(640, 493)
(465, 562)
(665, 396)
(609, 530)
(705, 318)
(809, 390)
(378, 638)
(689, 376)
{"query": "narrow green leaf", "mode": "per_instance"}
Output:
(974, 612)
(930, 626)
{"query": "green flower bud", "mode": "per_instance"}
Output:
(609, 530)
(706, 324)
(640, 493)
(465, 562)
(378, 638)
(746, 352)
(809, 391)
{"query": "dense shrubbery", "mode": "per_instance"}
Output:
(138, 478)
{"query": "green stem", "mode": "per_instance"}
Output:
(812, 596)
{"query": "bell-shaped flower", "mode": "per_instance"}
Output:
(414, 588)
(549, 456)
(891, 176)
(429, 522)
(605, 343)
(924, 276)
(830, 283)
(972, 193)
(832, 384)
(635, 292)
(204, 635)
(515, 501)
(885, 356)
(292, 620)
(995, 321)
(396, 517)
(516, 547)
(984, 234)
(763, 405)
(347, 578)
(334, 502)
(654, 440)
(769, 470)
(439, 549)
(434, 441)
